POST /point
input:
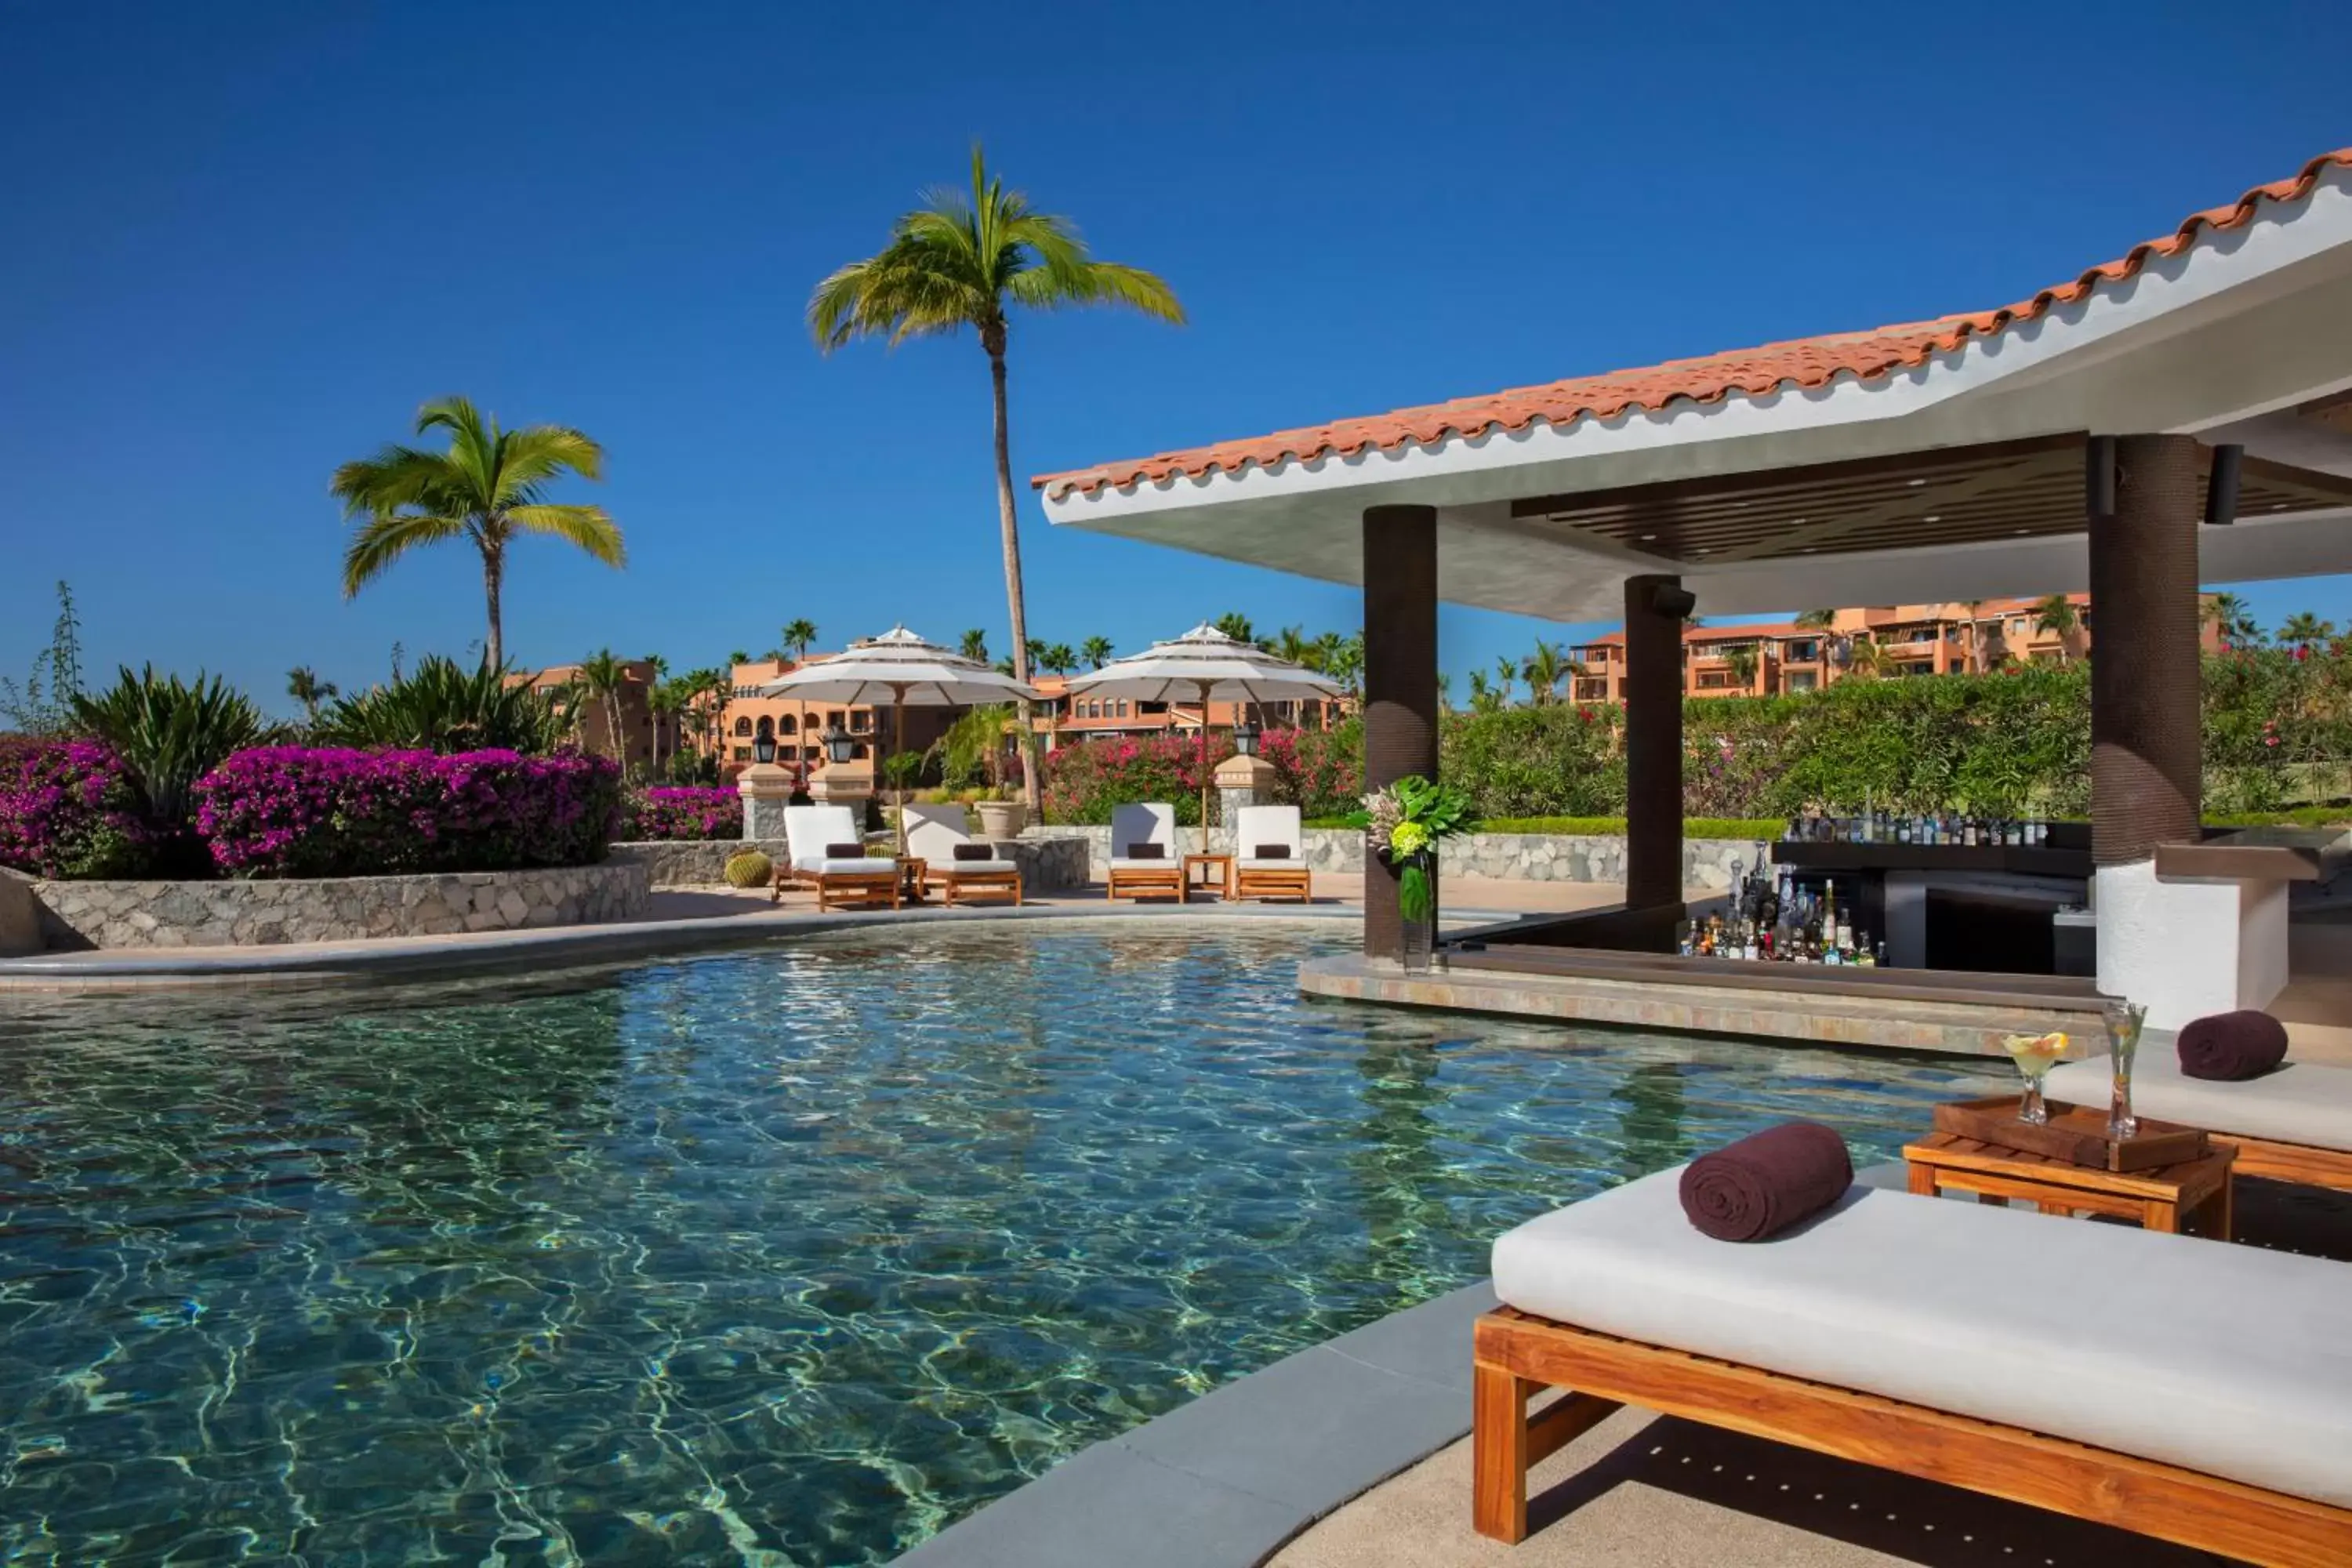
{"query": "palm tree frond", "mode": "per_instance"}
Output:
(587, 527)
(386, 537)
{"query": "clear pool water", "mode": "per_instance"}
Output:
(784, 1257)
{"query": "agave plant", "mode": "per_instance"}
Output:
(440, 706)
(170, 734)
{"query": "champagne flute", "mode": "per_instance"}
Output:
(2124, 1021)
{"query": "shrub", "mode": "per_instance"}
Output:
(751, 868)
(169, 734)
(1084, 782)
(1320, 771)
(69, 808)
(1554, 761)
(682, 813)
(441, 707)
(291, 811)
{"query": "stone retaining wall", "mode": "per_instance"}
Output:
(1507, 857)
(338, 908)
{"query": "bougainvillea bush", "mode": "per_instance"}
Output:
(682, 812)
(295, 811)
(1082, 782)
(69, 808)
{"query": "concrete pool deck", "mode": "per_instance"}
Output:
(1351, 1455)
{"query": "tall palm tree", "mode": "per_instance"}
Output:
(1740, 663)
(1059, 658)
(1867, 660)
(975, 646)
(601, 679)
(738, 656)
(1817, 620)
(2230, 620)
(1973, 651)
(1236, 626)
(1291, 643)
(798, 637)
(2303, 629)
(2057, 615)
(304, 685)
(490, 487)
(967, 260)
(1544, 671)
(1482, 696)
(1507, 670)
(1096, 650)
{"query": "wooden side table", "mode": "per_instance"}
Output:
(1222, 868)
(2167, 1198)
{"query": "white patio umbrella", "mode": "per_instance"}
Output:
(1205, 666)
(898, 667)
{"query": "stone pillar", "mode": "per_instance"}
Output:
(1400, 683)
(1241, 781)
(2175, 946)
(1654, 610)
(843, 783)
(766, 790)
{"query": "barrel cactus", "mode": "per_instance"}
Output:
(749, 870)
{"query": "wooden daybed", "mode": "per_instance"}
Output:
(2203, 1390)
(2293, 1125)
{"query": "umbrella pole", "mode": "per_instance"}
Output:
(1204, 769)
(898, 739)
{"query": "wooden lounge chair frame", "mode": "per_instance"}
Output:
(1274, 882)
(1516, 1353)
(2303, 1164)
(1161, 879)
(959, 884)
(858, 890)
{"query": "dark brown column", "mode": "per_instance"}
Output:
(2145, 770)
(1654, 743)
(1399, 681)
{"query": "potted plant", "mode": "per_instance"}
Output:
(1002, 819)
(1403, 824)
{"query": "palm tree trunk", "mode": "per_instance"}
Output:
(1010, 521)
(494, 572)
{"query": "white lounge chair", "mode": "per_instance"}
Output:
(2183, 1389)
(934, 833)
(1257, 874)
(809, 832)
(2291, 1125)
(1134, 876)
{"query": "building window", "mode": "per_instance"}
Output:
(742, 726)
(1801, 681)
(1122, 707)
(1805, 652)
(832, 719)
(743, 753)
(788, 725)
(1149, 709)
(861, 720)
(859, 751)
(767, 725)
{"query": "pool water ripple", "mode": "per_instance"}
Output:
(784, 1257)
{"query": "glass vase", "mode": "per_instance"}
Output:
(1420, 942)
(2124, 1021)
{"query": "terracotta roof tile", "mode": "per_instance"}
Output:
(1710, 378)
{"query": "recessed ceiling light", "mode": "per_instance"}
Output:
(1934, 517)
(2023, 531)
(2278, 506)
(1647, 537)
(1808, 549)
(1706, 549)
(1916, 483)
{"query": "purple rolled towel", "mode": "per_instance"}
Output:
(2233, 1046)
(1760, 1186)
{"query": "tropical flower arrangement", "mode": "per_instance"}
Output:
(1403, 824)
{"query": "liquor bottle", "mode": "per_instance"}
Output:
(1863, 954)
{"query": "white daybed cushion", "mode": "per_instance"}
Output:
(864, 863)
(1256, 825)
(2300, 1103)
(2229, 1361)
(1126, 864)
(959, 868)
(1256, 865)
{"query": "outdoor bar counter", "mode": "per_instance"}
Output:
(2003, 908)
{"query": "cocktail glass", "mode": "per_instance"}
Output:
(2034, 1054)
(2123, 1020)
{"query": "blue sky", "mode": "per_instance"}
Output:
(243, 243)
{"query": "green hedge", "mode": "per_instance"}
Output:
(2277, 729)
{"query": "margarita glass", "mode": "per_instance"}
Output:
(2034, 1054)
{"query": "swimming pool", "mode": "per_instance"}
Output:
(786, 1255)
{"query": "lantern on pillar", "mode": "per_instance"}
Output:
(1245, 737)
(839, 746)
(763, 749)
